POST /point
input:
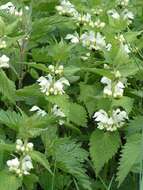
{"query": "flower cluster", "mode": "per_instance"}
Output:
(66, 8)
(113, 88)
(123, 2)
(23, 148)
(90, 40)
(58, 113)
(2, 44)
(4, 61)
(110, 123)
(38, 111)
(56, 70)
(125, 15)
(23, 165)
(124, 46)
(52, 84)
(11, 9)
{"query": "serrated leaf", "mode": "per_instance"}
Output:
(10, 118)
(77, 114)
(131, 151)
(41, 159)
(103, 146)
(124, 102)
(9, 181)
(135, 125)
(7, 87)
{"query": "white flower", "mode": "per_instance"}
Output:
(126, 48)
(9, 7)
(100, 41)
(26, 165)
(74, 38)
(29, 147)
(4, 61)
(49, 86)
(59, 70)
(82, 19)
(13, 164)
(58, 86)
(88, 39)
(99, 24)
(39, 111)
(97, 11)
(2, 44)
(127, 15)
(120, 38)
(114, 14)
(45, 83)
(66, 8)
(115, 89)
(58, 113)
(110, 123)
(123, 2)
(84, 58)
(118, 89)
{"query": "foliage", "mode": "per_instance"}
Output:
(71, 90)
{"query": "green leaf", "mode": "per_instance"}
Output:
(77, 114)
(10, 118)
(124, 102)
(131, 153)
(7, 147)
(135, 125)
(7, 87)
(41, 159)
(103, 146)
(9, 181)
(69, 157)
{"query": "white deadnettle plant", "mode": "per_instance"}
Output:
(38, 111)
(110, 122)
(123, 2)
(90, 40)
(125, 15)
(50, 85)
(124, 46)
(66, 8)
(58, 113)
(74, 38)
(83, 19)
(23, 165)
(99, 24)
(11, 9)
(4, 61)
(2, 44)
(113, 88)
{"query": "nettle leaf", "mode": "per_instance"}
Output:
(74, 112)
(9, 181)
(33, 126)
(7, 147)
(77, 114)
(135, 125)
(7, 87)
(69, 157)
(87, 94)
(62, 101)
(11, 119)
(41, 159)
(131, 153)
(103, 146)
(124, 102)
